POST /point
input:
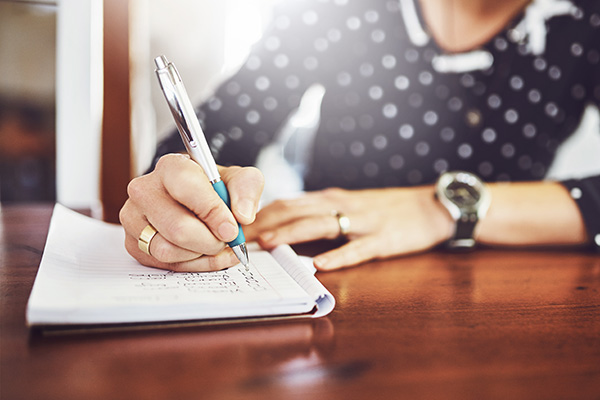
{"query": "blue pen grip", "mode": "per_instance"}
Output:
(221, 190)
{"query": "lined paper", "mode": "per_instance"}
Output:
(87, 276)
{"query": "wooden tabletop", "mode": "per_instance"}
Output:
(484, 325)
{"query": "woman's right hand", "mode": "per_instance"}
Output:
(193, 224)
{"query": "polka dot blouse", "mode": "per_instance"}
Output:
(398, 111)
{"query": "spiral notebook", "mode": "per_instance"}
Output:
(87, 279)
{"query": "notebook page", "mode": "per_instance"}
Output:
(86, 276)
(290, 261)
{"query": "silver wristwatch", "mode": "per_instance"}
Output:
(467, 199)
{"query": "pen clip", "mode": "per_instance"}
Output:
(180, 122)
(169, 77)
(185, 117)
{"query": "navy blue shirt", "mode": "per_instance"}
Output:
(398, 110)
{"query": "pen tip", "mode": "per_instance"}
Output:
(241, 252)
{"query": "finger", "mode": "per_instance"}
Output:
(222, 260)
(350, 254)
(301, 230)
(245, 186)
(149, 203)
(284, 211)
(187, 184)
(159, 247)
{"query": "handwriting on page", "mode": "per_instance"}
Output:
(229, 281)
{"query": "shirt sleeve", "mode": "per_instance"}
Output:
(586, 191)
(248, 109)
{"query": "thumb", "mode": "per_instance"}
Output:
(245, 186)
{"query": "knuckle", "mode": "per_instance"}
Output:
(160, 164)
(278, 203)
(165, 161)
(234, 168)
(135, 188)
(124, 213)
(333, 190)
(255, 174)
(282, 205)
(333, 193)
(331, 231)
(169, 164)
(161, 251)
(212, 209)
(179, 233)
(182, 181)
(176, 232)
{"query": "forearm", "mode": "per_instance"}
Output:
(532, 213)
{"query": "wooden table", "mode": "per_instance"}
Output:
(485, 325)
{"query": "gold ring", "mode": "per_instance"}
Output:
(343, 222)
(145, 239)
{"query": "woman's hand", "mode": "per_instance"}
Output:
(383, 223)
(192, 221)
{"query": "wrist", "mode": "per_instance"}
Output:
(531, 214)
(442, 224)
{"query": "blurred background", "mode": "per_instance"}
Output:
(59, 141)
(27, 101)
(38, 39)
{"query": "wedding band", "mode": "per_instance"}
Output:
(145, 239)
(343, 222)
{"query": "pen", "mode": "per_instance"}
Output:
(194, 139)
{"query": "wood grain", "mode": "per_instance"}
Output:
(484, 325)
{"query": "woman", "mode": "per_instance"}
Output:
(413, 89)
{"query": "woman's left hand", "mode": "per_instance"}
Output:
(383, 223)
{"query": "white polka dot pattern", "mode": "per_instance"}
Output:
(388, 116)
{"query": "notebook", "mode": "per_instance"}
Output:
(87, 278)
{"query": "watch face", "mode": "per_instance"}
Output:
(462, 194)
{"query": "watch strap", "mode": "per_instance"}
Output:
(463, 235)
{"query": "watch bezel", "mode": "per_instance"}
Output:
(466, 217)
(457, 212)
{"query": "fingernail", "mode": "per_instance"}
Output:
(246, 209)
(227, 231)
(267, 236)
